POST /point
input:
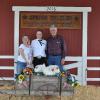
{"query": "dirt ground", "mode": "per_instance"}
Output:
(80, 93)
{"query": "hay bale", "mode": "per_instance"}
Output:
(7, 87)
(66, 98)
(32, 98)
(81, 93)
(87, 93)
(4, 97)
(12, 97)
(16, 98)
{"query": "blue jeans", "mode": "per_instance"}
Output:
(55, 60)
(20, 66)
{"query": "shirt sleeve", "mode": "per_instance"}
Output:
(30, 54)
(63, 47)
(21, 46)
(46, 44)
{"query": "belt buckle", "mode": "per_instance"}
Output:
(39, 57)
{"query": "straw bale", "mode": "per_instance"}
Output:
(34, 98)
(87, 93)
(16, 98)
(66, 98)
(7, 87)
(4, 97)
(80, 93)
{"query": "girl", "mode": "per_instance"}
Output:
(25, 55)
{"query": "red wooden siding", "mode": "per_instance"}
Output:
(93, 74)
(6, 73)
(93, 83)
(92, 63)
(6, 62)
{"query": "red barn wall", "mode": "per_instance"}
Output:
(73, 38)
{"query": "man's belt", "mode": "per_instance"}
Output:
(55, 55)
(39, 57)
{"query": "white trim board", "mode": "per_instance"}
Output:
(73, 65)
(93, 68)
(73, 58)
(67, 58)
(51, 8)
(7, 67)
(93, 79)
(93, 58)
(6, 78)
(6, 57)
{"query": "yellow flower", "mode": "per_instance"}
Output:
(21, 77)
(62, 74)
(75, 85)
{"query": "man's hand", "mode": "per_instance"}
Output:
(62, 61)
(29, 62)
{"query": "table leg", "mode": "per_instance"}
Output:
(29, 83)
(60, 86)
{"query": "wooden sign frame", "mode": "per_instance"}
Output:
(40, 20)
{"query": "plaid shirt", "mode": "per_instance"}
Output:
(55, 46)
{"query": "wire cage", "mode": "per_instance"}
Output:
(44, 85)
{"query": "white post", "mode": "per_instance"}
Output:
(16, 37)
(79, 73)
(84, 47)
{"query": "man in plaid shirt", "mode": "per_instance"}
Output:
(55, 48)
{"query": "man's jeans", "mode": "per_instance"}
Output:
(55, 60)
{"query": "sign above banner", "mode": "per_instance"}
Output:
(39, 20)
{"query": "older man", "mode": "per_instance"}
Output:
(55, 48)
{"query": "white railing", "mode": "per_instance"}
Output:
(93, 68)
(6, 67)
(6, 57)
(78, 64)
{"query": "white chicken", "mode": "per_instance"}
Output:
(49, 70)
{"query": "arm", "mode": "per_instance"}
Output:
(21, 51)
(46, 49)
(63, 47)
(31, 56)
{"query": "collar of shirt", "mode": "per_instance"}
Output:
(39, 39)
